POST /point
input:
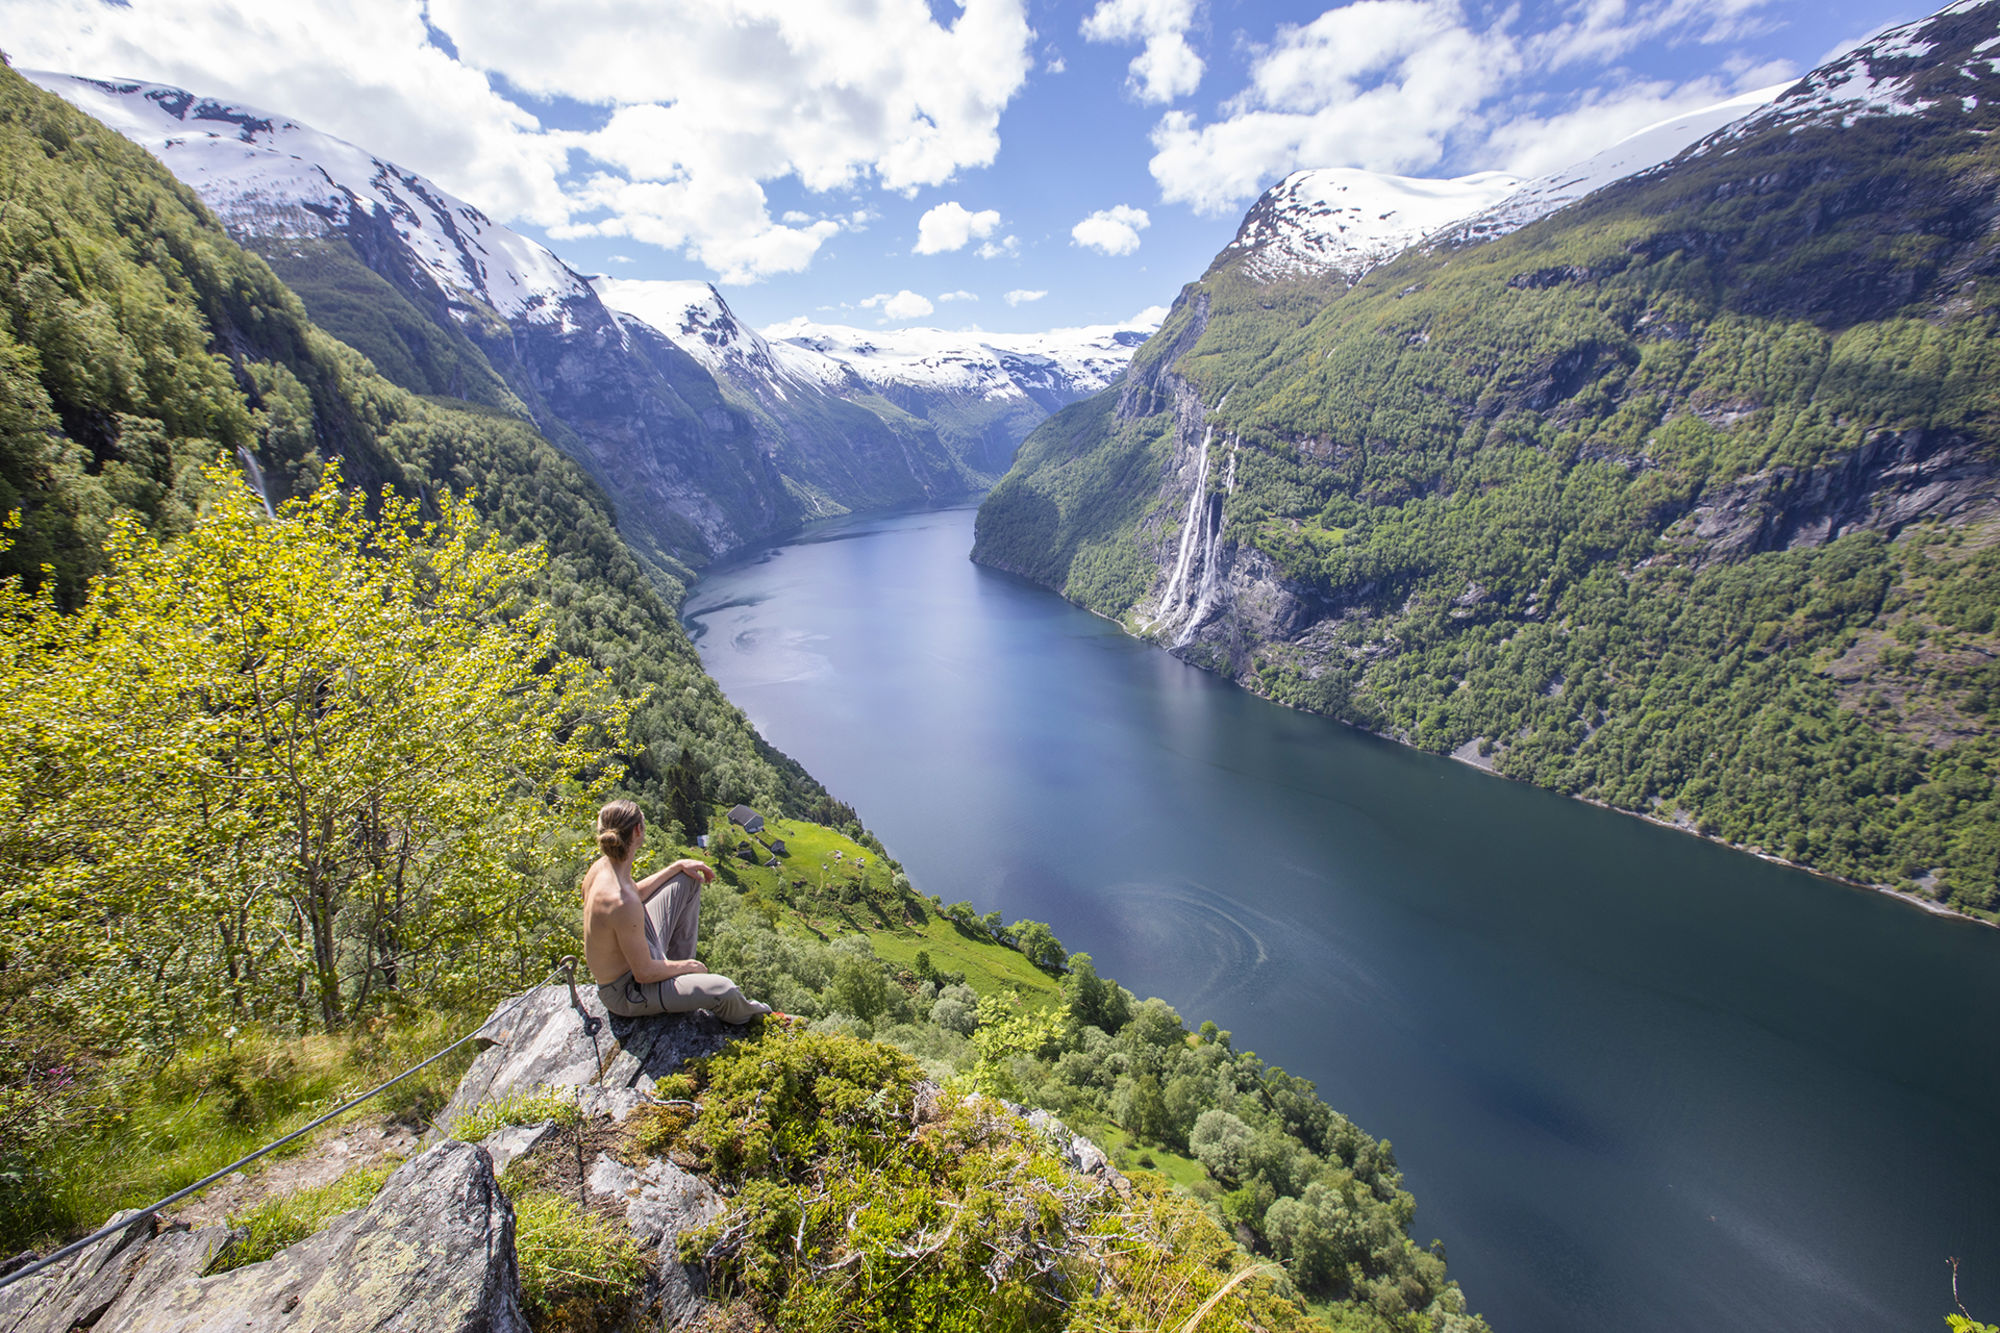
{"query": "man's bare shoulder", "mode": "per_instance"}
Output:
(604, 894)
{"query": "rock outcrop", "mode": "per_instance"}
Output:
(433, 1253)
(549, 1042)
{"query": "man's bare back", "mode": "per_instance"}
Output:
(614, 920)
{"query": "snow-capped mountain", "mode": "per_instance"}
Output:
(696, 319)
(1641, 151)
(1345, 221)
(1900, 72)
(708, 434)
(1060, 364)
(1054, 368)
(268, 175)
(981, 392)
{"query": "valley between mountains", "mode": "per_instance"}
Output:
(1669, 481)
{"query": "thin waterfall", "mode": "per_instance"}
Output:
(1190, 532)
(1205, 598)
(256, 473)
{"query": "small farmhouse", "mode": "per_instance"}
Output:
(751, 821)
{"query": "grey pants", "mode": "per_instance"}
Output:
(673, 915)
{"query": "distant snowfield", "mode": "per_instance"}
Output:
(836, 357)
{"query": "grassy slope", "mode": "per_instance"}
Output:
(896, 935)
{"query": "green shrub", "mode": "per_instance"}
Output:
(863, 1201)
(285, 1220)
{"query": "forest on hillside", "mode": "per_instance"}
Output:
(1681, 499)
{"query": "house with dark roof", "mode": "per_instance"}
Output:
(751, 821)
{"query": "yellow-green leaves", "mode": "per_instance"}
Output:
(273, 767)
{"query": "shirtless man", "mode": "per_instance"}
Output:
(638, 938)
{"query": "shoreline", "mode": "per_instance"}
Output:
(1930, 905)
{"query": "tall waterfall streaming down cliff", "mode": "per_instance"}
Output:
(1190, 536)
(1211, 538)
(1190, 590)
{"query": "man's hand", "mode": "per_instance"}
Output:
(697, 871)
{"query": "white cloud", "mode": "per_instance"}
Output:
(1376, 84)
(707, 100)
(1603, 30)
(959, 296)
(621, 259)
(1150, 318)
(1021, 294)
(1005, 247)
(1056, 65)
(1396, 85)
(952, 226)
(905, 304)
(1166, 66)
(1113, 231)
(365, 72)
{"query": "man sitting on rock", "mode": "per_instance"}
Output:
(624, 923)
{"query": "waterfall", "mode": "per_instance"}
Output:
(1190, 533)
(256, 473)
(1211, 538)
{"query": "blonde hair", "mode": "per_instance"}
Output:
(616, 823)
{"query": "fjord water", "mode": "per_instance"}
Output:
(1635, 1080)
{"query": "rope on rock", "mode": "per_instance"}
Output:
(566, 969)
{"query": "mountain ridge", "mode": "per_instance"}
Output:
(1674, 498)
(447, 302)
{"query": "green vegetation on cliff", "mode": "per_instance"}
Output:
(1566, 496)
(291, 791)
(150, 778)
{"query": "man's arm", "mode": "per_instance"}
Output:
(697, 871)
(628, 925)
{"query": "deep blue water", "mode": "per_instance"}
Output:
(1636, 1081)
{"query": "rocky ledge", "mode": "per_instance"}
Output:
(433, 1252)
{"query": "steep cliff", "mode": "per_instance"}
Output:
(1674, 493)
(705, 441)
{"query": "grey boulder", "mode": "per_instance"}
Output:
(547, 1042)
(660, 1202)
(433, 1253)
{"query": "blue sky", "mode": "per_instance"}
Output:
(884, 162)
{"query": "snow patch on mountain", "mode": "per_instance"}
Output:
(1878, 77)
(1067, 362)
(694, 317)
(1636, 153)
(1345, 220)
(266, 175)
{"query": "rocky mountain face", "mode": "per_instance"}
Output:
(446, 301)
(703, 440)
(1609, 483)
(980, 394)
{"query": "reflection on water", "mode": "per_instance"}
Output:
(1634, 1080)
